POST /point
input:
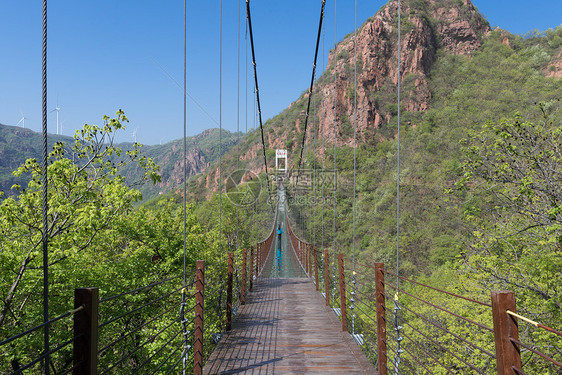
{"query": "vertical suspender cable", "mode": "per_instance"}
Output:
(184, 139)
(246, 72)
(321, 124)
(335, 145)
(397, 327)
(238, 122)
(220, 134)
(354, 171)
(44, 235)
(183, 294)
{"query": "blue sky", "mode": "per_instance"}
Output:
(104, 55)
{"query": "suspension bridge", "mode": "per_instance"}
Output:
(286, 305)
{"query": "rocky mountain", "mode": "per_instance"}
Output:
(429, 29)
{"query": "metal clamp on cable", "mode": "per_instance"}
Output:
(184, 321)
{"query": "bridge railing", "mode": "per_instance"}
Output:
(439, 331)
(159, 327)
(422, 328)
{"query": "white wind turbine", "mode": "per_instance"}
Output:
(22, 120)
(57, 108)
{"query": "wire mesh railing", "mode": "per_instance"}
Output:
(440, 331)
(162, 327)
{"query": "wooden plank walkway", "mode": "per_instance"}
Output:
(285, 328)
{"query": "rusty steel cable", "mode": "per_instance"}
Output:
(415, 358)
(540, 354)
(437, 325)
(442, 309)
(536, 324)
(421, 347)
(440, 290)
(430, 339)
(517, 370)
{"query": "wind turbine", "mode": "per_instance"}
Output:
(22, 120)
(57, 108)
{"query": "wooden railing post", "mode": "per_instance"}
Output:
(342, 294)
(327, 276)
(307, 255)
(85, 354)
(229, 291)
(243, 281)
(251, 268)
(381, 317)
(505, 327)
(316, 267)
(199, 318)
(258, 254)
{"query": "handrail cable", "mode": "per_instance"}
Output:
(46, 355)
(122, 337)
(45, 204)
(533, 350)
(536, 324)
(138, 308)
(156, 283)
(258, 95)
(441, 308)
(437, 325)
(42, 325)
(438, 290)
(150, 339)
(311, 87)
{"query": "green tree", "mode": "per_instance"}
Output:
(513, 173)
(86, 195)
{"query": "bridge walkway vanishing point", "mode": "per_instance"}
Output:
(285, 327)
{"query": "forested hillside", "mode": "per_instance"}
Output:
(480, 178)
(18, 144)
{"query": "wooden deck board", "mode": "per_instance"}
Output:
(285, 328)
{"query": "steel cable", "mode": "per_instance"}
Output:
(138, 308)
(121, 338)
(141, 288)
(249, 16)
(45, 205)
(396, 307)
(311, 90)
(448, 331)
